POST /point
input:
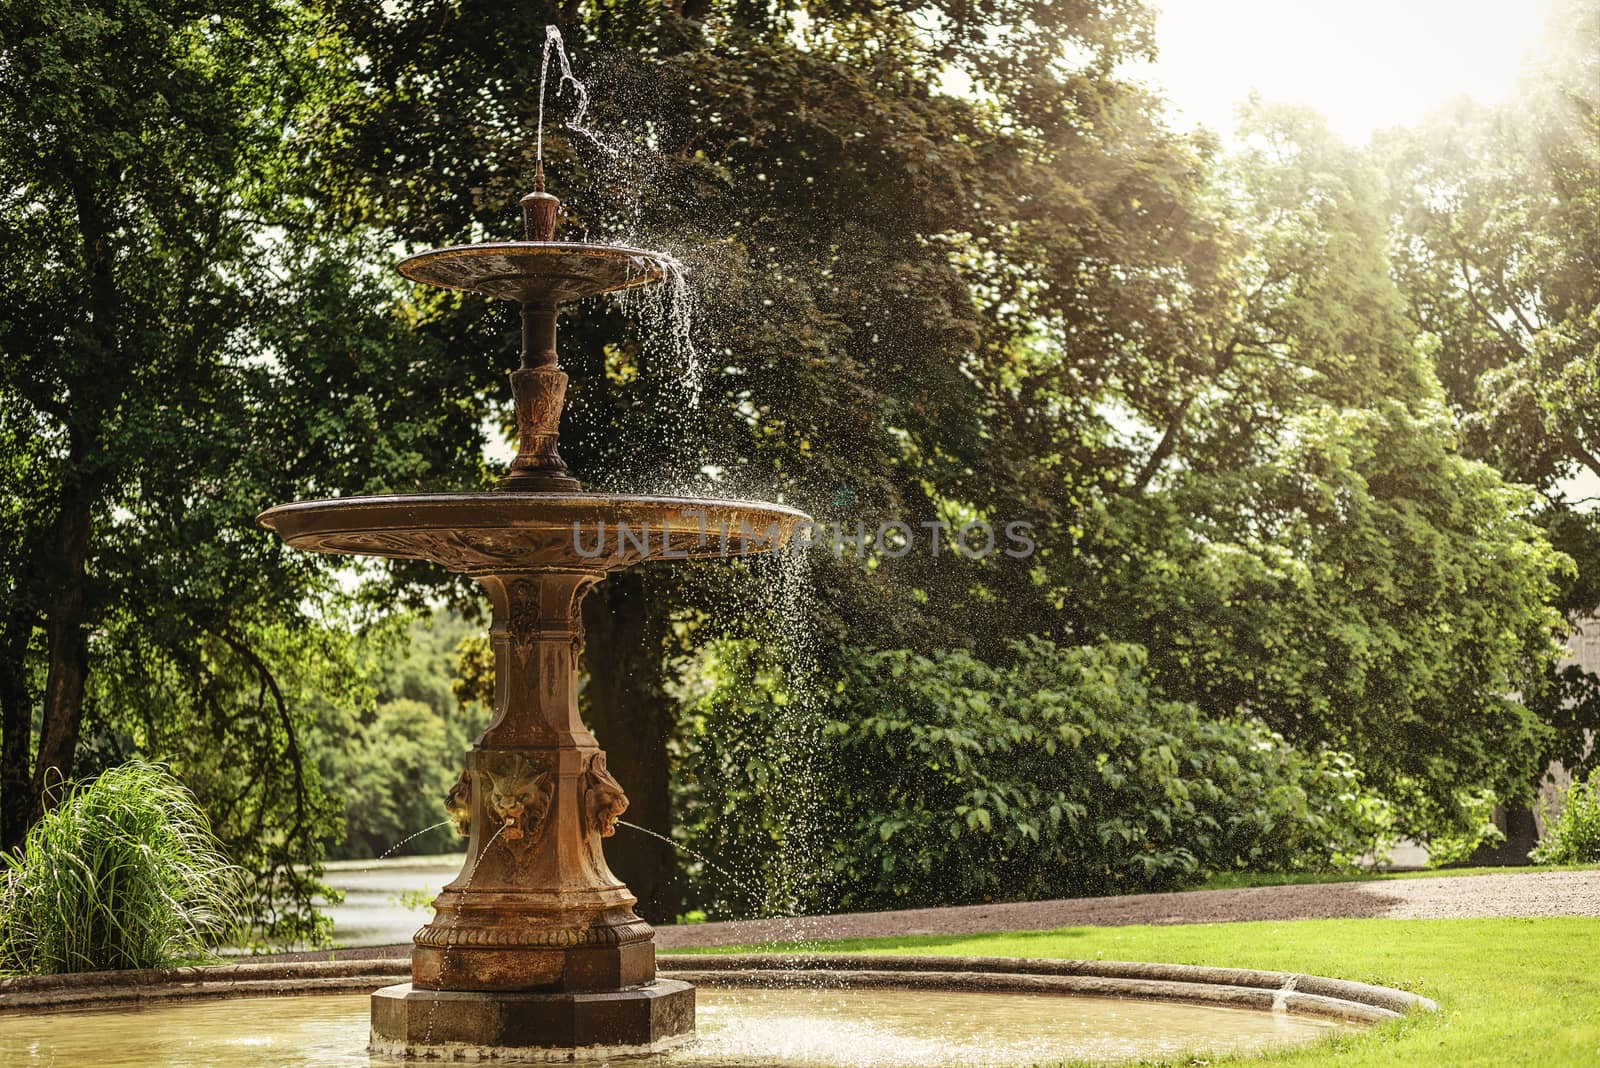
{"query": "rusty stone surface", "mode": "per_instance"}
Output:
(488, 533)
(535, 272)
(448, 1024)
(540, 211)
(535, 907)
(540, 393)
(539, 273)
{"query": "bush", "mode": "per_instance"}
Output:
(1474, 818)
(1573, 836)
(123, 873)
(946, 780)
(1060, 774)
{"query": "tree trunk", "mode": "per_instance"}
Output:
(96, 393)
(627, 709)
(68, 651)
(16, 729)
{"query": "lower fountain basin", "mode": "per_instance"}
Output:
(486, 532)
(812, 1012)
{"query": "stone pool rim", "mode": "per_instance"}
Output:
(1237, 988)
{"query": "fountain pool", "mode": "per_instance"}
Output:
(735, 1026)
(802, 1011)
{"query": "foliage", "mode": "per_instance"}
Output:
(396, 754)
(1498, 229)
(1305, 543)
(1496, 243)
(1479, 829)
(947, 780)
(414, 899)
(242, 737)
(1573, 836)
(123, 873)
(1191, 371)
(1059, 774)
(1362, 587)
(183, 346)
(754, 793)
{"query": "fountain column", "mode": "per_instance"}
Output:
(535, 943)
(535, 907)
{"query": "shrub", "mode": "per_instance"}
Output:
(946, 780)
(1573, 836)
(1474, 818)
(1060, 774)
(123, 873)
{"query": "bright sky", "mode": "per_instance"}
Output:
(1365, 64)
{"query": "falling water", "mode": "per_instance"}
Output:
(782, 733)
(786, 592)
(755, 895)
(668, 309)
(444, 957)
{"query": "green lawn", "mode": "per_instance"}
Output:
(1229, 880)
(1511, 992)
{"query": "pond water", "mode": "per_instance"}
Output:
(737, 1028)
(386, 900)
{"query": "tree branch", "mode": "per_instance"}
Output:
(237, 643)
(1478, 305)
(1169, 438)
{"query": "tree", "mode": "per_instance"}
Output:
(1256, 481)
(395, 746)
(816, 172)
(1029, 302)
(1497, 237)
(181, 348)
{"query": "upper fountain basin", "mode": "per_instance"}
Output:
(536, 272)
(489, 532)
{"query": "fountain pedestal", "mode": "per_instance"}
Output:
(535, 943)
(535, 907)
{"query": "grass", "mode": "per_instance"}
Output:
(1235, 880)
(123, 872)
(1510, 991)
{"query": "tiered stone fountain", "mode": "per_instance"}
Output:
(535, 946)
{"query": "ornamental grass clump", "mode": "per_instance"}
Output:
(123, 872)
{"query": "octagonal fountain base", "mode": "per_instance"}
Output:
(512, 1025)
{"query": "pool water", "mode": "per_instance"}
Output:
(736, 1028)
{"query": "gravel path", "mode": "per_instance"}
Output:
(1556, 893)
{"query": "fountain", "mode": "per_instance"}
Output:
(535, 945)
